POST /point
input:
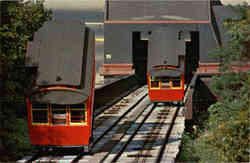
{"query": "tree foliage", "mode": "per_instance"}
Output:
(229, 118)
(226, 137)
(19, 22)
(238, 50)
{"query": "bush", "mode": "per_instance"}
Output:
(231, 138)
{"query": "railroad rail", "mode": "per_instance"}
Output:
(109, 94)
(131, 130)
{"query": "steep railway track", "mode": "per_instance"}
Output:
(132, 130)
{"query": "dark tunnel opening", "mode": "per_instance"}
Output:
(192, 56)
(140, 55)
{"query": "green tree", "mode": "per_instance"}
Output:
(226, 136)
(19, 22)
(229, 118)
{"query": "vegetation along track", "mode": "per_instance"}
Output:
(132, 130)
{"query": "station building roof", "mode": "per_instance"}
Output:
(158, 10)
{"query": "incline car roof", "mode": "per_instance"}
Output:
(165, 73)
(58, 51)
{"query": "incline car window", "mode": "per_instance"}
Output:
(40, 113)
(77, 113)
(165, 83)
(59, 114)
(154, 83)
(176, 83)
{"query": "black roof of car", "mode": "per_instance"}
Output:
(165, 73)
(63, 52)
(58, 52)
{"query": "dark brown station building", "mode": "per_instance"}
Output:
(140, 34)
